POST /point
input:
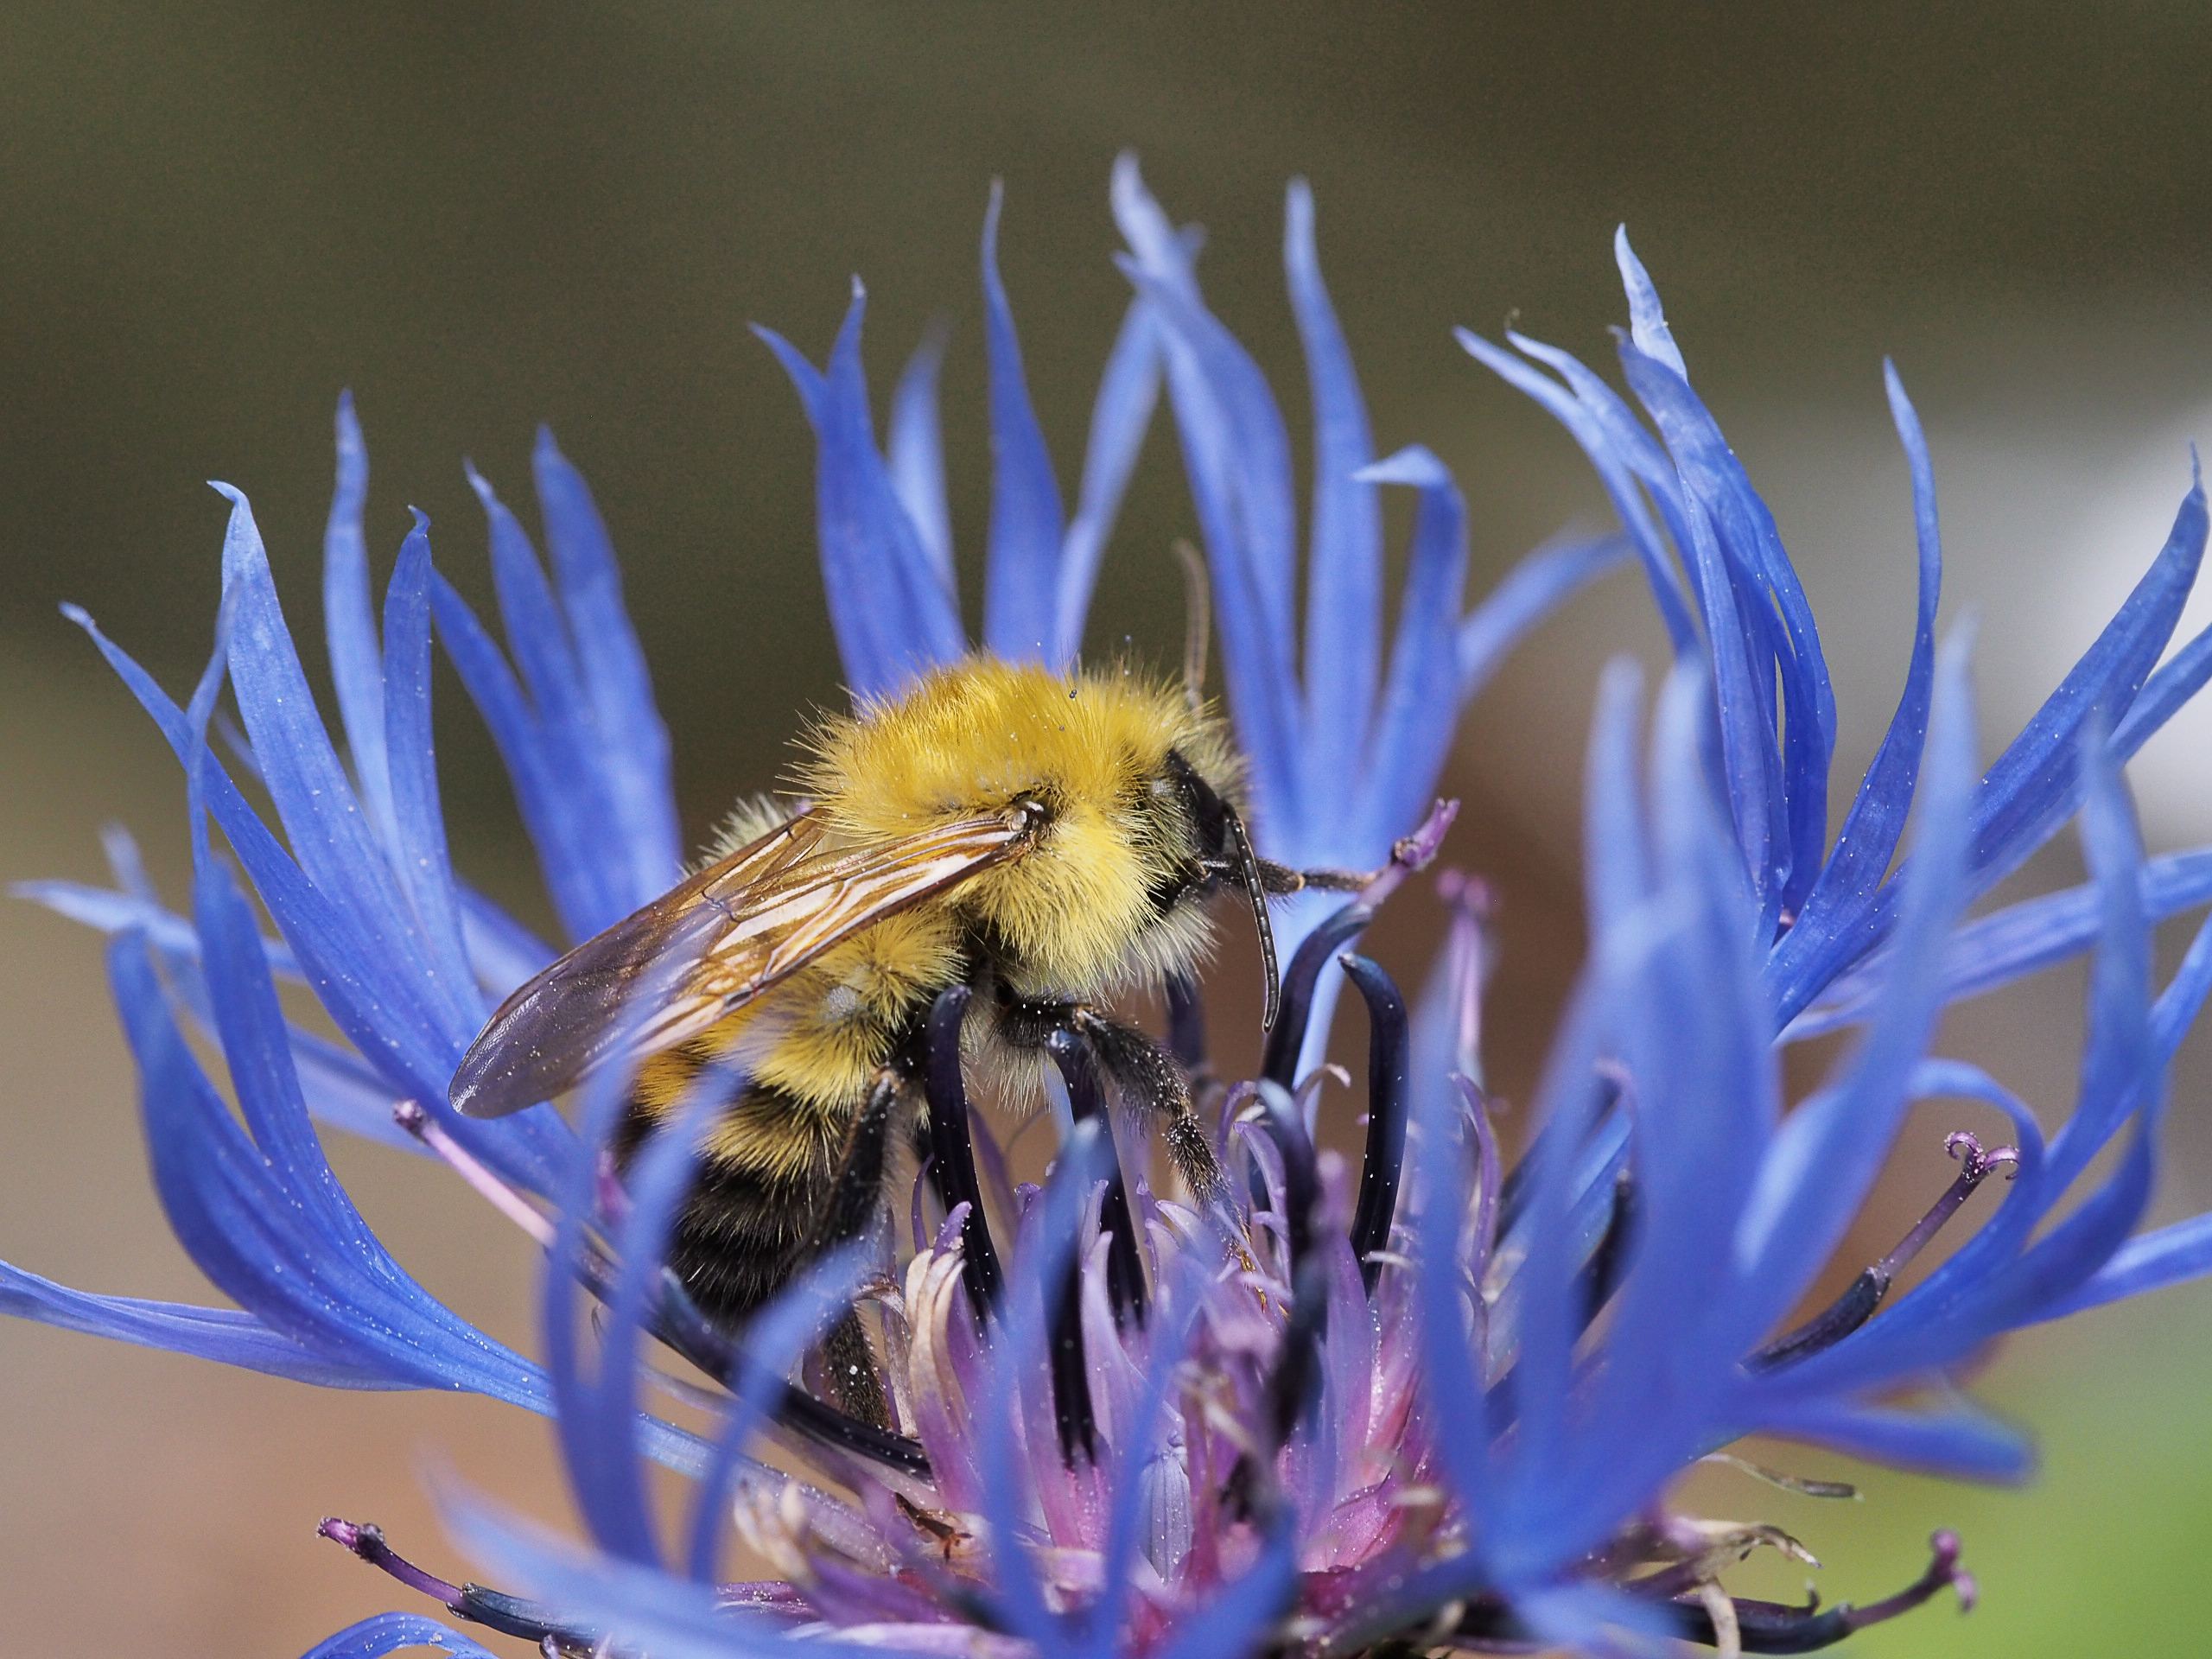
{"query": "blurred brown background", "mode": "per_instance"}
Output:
(213, 220)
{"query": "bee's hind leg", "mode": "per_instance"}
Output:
(855, 1198)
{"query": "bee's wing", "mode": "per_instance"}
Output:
(684, 961)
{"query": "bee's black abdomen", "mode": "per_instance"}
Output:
(743, 1233)
(741, 1237)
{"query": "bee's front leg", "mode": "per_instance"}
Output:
(1144, 1076)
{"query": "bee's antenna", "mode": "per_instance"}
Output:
(1255, 890)
(1197, 623)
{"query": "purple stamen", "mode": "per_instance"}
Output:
(1288, 1035)
(1124, 1265)
(1389, 1078)
(365, 1540)
(1489, 1164)
(1410, 853)
(1775, 1627)
(1297, 1362)
(1975, 1167)
(1467, 962)
(952, 1163)
(1944, 1570)
(610, 1196)
(410, 1116)
(1857, 1304)
(509, 1615)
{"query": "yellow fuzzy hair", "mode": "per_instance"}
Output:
(977, 735)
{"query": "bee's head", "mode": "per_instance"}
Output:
(1223, 855)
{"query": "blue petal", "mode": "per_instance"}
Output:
(1413, 727)
(593, 1417)
(418, 832)
(273, 1247)
(775, 1337)
(1230, 469)
(2034, 784)
(349, 622)
(2009, 944)
(545, 656)
(1343, 591)
(330, 838)
(1018, 1370)
(1871, 831)
(555, 799)
(1463, 1431)
(2177, 1006)
(2117, 1064)
(631, 751)
(1027, 522)
(1771, 605)
(2150, 1262)
(668, 1617)
(342, 1089)
(1236, 454)
(1825, 1157)
(111, 912)
(388, 1633)
(2181, 677)
(1962, 1442)
(372, 998)
(222, 1334)
(1614, 472)
(1647, 320)
(916, 452)
(894, 617)
(1119, 417)
(504, 952)
(1239, 1617)
(1684, 1008)
(1997, 1279)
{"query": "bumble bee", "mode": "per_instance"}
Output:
(1050, 840)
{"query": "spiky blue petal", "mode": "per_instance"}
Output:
(388, 1633)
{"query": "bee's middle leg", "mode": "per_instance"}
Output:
(1145, 1076)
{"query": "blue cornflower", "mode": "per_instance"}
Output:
(1419, 1400)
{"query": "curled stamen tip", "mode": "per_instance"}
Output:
(1945, 1549)
(1974, 1163)
(344, 1534)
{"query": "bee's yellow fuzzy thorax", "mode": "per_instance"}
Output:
(1091, 745)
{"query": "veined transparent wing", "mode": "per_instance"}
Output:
(711, 945)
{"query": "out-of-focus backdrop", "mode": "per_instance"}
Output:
(213, 218)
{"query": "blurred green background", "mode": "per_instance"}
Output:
(213, 218)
